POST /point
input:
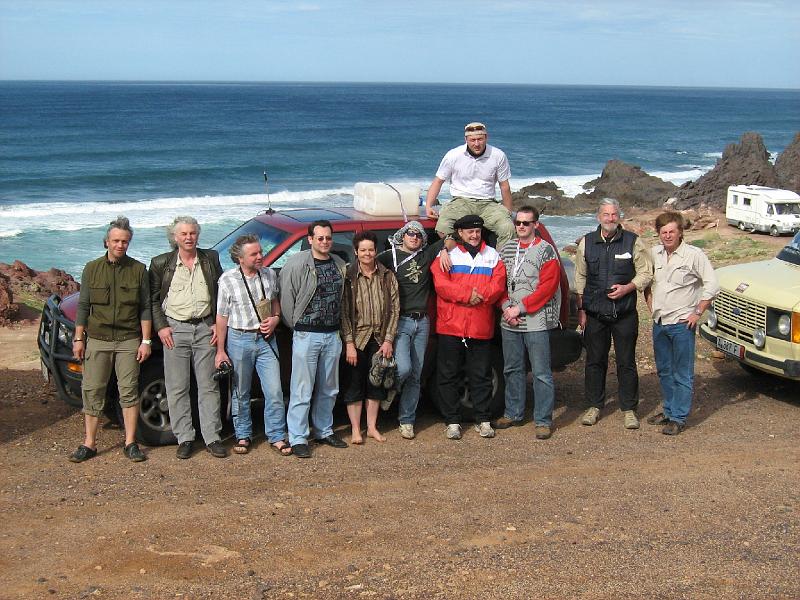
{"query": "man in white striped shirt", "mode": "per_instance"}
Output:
(248, 311)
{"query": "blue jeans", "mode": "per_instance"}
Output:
(247, 351)
(538, 346)
(409, 351)
(673, 346)
(315, 370)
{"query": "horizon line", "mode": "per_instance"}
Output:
(344, 82)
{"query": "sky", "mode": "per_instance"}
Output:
(706, 43)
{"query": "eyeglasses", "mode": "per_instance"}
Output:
(415, 234)
(524, 223)
(323, 238)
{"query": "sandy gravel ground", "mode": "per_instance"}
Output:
(592, 513)
(596, 512)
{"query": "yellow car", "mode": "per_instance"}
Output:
(756, 316)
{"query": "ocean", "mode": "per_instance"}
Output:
(73, 155)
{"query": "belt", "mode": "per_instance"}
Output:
(417, 316)
(195, 321)
(246, 330)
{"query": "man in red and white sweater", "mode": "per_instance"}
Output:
(530, 310)
(465, 305)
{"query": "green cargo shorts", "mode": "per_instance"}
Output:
(101, 358)
(495, 216)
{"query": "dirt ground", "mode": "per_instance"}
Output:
(596, 512)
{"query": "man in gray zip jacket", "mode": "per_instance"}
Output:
(311, 284)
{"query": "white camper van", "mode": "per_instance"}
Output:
(758, 208)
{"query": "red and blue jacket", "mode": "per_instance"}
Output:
(485, 273)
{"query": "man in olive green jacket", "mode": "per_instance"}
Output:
(112, 333)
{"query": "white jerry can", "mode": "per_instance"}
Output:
(387, 199)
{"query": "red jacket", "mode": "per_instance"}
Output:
(486, 273)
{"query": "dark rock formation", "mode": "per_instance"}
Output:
(745, 163)
(19, 281)
(787, 166)
(629, 185)
(549, 199)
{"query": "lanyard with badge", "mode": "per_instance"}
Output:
(404, 261)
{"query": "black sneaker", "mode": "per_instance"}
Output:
(301, 451)
(217, 450)
(132, 451)
(185, 449)
(332, 440)
(82, 453)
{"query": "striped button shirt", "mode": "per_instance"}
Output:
(233, 301)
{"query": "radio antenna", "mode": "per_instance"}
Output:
(266, 186)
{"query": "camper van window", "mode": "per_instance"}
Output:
(769, 210)
(747, 201)
(791, 208)
(735, 199)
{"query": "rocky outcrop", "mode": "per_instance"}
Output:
(548, 198)
(787, 166)
(629, 185)
(21, 287)
(745, 163)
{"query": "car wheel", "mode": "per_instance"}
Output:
(496, 404)
(773, 231)
(741, 225)
(153, 427)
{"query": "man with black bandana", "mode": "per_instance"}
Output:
(473, 170)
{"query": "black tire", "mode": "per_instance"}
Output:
(153, 427)
(498, 401)
(773, 231)
(741, 226)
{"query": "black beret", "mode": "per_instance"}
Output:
(468, 222)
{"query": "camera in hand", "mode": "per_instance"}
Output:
(224, 370)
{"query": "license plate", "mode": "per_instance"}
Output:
(730, 348)
(45, 372)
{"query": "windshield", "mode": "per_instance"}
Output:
(791, 252)
(270, 237)
(790, 208)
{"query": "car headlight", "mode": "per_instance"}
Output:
(711, 318)
(759, 338)
(64, 336)
(785, 324)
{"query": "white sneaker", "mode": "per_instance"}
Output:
(387, 404)
(407, 431)
(453, 431)
(485, 429)
(631, 422)
(590, 416)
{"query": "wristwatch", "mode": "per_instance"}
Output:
(698, 312)
(148, 342)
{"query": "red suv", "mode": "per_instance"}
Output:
(282, 234)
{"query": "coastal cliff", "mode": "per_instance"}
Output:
(746, 162)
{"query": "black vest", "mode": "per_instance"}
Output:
(606, 266)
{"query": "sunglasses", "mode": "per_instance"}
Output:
(415, 234)
(524, 223)
(324, 238)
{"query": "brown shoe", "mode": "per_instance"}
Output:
(505, 423)
(543, 432)
(657, 419)
(673, 428)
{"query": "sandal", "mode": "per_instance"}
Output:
(242, 446)
(282, 447)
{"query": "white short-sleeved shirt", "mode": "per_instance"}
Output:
(233, 301)
(474, 177)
